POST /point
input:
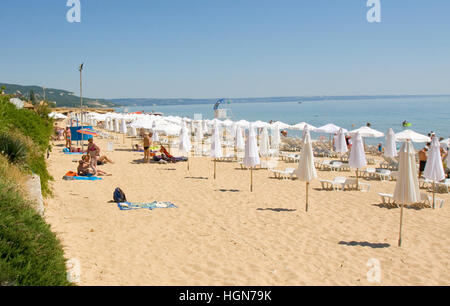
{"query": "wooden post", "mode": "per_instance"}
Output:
(433, 194)
(251, 179)
(307, 187)
(401, 223)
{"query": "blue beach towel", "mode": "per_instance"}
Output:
(73, 153)
(151, 206)
(82, 178)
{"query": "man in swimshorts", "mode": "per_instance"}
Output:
(147, 143)
(422, 160)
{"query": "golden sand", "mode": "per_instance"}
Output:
(222, 234)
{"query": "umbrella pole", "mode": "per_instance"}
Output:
(307, 188)
(188, 164)
(401, 223)
(214, 168)
(251, 179)
(123, 138)
(357, 180)
(434, 190)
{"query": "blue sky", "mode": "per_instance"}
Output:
(228, 48)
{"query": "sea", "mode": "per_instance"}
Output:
(430, 114)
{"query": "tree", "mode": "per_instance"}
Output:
(2, 91)
(32, 97)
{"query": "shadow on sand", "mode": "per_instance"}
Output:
(197, 177)
(278, 209)
(365, 244)
(228, 190)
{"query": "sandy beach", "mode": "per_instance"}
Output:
(222, 234)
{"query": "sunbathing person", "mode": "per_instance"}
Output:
(138, 148)
(85, 168)
(103, 160)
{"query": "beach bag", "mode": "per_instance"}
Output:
(66, 150)
(119, 196)
(70, 175)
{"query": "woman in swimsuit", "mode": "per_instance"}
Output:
(93, 151)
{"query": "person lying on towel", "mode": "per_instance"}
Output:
(165, 155)
(85, 168)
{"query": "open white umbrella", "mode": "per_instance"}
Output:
(301, 126)
(185, 142)
(281, 125)
(251, 157)
(329, 128)
(306, 170)
(411, 135)
(434, 169)
(390, 149)
(366, 131)
(407, 186)
(357, 158)
(341, 144)
(216, 146)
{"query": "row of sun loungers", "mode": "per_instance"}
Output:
(425, 199)
(344, 183)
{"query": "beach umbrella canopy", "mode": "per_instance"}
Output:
(199, 132)
(185, 142)
(281, 125)
(390, 149)
(407, 186)
(301, 126)
(216, 145)
(155, 136)
(329, 129)
(251, 157)
(260, 124)
(340, 143)
(116, 125)
(264, 143)
(306, 170)
(87, 132)
(276, 139)
(243, 123)
(357, 158)
(411, 135)
(434, 170)
(17, 102)
(239, 139)
(57, 116)
(445, 143)
(123, 126)
(366, 131)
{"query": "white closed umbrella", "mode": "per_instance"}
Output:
(411, 135)
(340, 143)
(185, 142)
(407, 186)
(123, 128)
(276, 139)
(116, 125)
(434, 169)
(264, 143)
(390, 149)
(251, 157)
(357, 158)
(306, 170)
(216, 146)
(239, 139)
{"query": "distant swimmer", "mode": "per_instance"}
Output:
(406, 124)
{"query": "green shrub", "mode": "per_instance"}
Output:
(13, 148)
(30, 254)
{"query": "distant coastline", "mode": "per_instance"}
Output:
(166, 102)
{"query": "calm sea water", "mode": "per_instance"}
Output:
(425, 114)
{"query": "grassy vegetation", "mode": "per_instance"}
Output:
(34, 132)
(30, 253)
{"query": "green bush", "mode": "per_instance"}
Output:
(30, 254)
(13, 148)
(33, 130)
